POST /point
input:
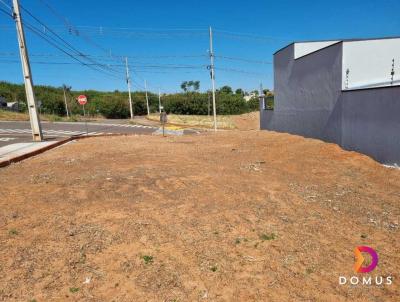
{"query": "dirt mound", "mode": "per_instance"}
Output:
(233, 216)
(248, 121)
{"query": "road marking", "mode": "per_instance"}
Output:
(7, 139)
(47, 132)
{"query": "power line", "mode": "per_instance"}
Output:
(70, 27)
(6, 5)
(5, 12)
(67, 44)
(250, 36)
(165, 66)
(240, 71)
(243, 60)
(44, 37)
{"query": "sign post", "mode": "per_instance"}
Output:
(82, 100)
(163, 120)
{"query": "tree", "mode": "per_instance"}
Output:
(239, 91)
(226, 89)
(196, 85)
(184, 86)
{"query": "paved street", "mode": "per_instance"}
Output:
(17, 132)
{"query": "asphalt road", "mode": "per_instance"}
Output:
(16, 132)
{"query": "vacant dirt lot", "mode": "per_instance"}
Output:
(237, 216)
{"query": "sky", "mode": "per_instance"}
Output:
(167, 42)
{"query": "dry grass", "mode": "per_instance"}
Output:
(13, 116)
(204, 121)
(6, 115)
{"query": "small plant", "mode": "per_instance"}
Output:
(213, 268)
(363, 236)
(13, 232)
(33, 300)
(271, 236)
(74, 289)
(147, 259)
(237, 241)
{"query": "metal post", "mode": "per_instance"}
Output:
(128, 81)
(65, 101)
(147, 98)
(84, 116)
(213, 78)
(26, 69)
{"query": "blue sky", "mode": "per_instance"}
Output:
(146, 32)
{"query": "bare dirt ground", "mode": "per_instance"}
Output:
(236, 216)
(247, 121)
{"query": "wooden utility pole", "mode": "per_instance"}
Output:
(26, 69)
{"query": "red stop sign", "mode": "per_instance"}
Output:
(82, 100)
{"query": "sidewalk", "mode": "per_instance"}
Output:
(19, 151)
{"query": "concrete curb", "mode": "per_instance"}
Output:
(18, 158)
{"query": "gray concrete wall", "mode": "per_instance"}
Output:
(307, 92)
(309, 102)
(371, 123)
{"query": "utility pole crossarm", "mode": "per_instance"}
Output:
(26, 69)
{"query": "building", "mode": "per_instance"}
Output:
(12, 106)
(3, 103)
(342, 91)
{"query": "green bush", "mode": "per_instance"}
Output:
(115, 104)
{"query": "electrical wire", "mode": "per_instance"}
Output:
(42, 36)
(71, 27)
(6, 5)
(243, 60)
(6, 13)
(67, 44)
(249, 36)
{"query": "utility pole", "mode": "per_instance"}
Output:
(147, 98)
(159, 101)
(128, 81)
(65, 100)
(213, 78)
(262, 97)
(208, 108)
(26, 69)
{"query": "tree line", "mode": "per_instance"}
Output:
(115, 104)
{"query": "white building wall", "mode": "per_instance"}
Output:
(304, 48)
(370, 63)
